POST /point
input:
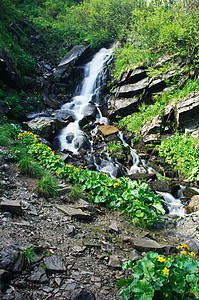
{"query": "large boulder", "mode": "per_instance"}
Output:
(131, 90)
(132, 76)
(187, 112)
(193, 204)
(64, 68)
(3, 108)
(122, 107)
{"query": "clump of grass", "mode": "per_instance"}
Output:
(48, 186)
(76, 192)
(31, 168)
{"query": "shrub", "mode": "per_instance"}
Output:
(48, 186)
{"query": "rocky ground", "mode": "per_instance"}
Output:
(75, 250)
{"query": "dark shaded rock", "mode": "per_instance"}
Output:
(187, 112)
(122, 107)
(8, 73)
(90, 112)
(82, 295)
(161, 186)
(3, 108)
(131, 90)
(132, 76)
(70, 137)
(52, 101)
(11, 259)
(69, 60)
(156, 85)
(54, 263)
(5, 278)
(190, 192)
(14, 207)
(146, 244)
(38, 275)
(81, 142)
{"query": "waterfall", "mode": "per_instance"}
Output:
(72, 137)
(175, 206)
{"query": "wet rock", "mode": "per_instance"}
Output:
(54, 263)
(146, 244)
(75, 212)
(14, 207)
(114, 262)
(11, 259)
(161, 186)
(82, 142)
(5, 278)
(193, 204)
(82, 295)
(72, 57)
(90, 112)
(38, 275)
(52, 101)
(107, 130)
(190, 192)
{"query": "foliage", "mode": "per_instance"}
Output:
(31, 168)
(159, 277)
(76, 192)
(181, 152)
(8, 133)
(114, 146)
(29, 254)
(48, 186)
(140, 205)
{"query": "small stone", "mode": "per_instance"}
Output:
(79, 248)
(38, 275)
(75, 212)
(146, 244)
(114, 262)
(135, 255)
(54, 263)
(58, 281)
(114, 227)
(71, 230)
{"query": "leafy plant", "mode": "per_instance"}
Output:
(76, 192)
(159, 277)
(114, 145)
(181, 152)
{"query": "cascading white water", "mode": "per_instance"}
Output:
(77, 107)
(174, 205)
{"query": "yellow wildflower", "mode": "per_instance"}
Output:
(160, 258)
(175, 283)
(166, 271)
(116, 184)
(183, 252)
(192, 254)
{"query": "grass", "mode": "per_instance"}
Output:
(31, 168)
(48, 186)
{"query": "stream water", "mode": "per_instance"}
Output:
(87, 100)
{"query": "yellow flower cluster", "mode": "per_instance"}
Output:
(165, 271)
(160, 258)
(182, 245)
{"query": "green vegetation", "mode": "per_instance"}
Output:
(48, 186)
(76, 192)
(159, 277)
(29, 254)
(112, 146)
(133, 199)
(181, 151)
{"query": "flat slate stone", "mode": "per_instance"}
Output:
(146, 244)
(114, 262)
(14, 207)
(38, 275)
(75, 212)
(54, 263)
(107, 130)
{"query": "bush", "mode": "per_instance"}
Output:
(48, 186)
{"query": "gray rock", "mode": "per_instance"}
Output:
(3, 108)
(75, 212)
(131, 90)
(11, 259)
(70, 59)
(114, 262)
(187, 112)
(14, 207)
(122, 107)
(38, 275)
(71, 230)
(135, 255)
(156, 85)
(114, 227)
(131, 76)
(54, 263)
(78, 249)
(82, 142)
(82, 295)
(146, 244)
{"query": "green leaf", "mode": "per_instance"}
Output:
(143, 290)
